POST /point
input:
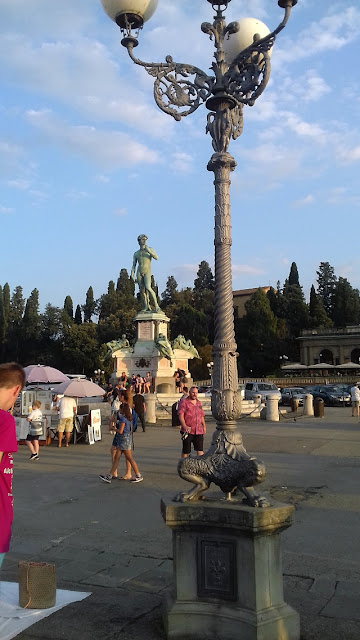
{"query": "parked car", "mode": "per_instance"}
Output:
(288, 393)
(332, 395)
(204, 390)
(262, 389)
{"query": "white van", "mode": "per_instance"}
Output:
(262, 389)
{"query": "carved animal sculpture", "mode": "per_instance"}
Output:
(227, 465)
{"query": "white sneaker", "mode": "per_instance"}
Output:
(137, 478)
(106, 478)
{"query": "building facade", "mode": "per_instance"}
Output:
(240, 298)
(331, 346)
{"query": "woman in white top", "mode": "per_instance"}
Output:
(35, 430)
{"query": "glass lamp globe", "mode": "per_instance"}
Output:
(237, 42)
(139, 10)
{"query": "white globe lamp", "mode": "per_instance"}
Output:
(244, 37)
(135, 12)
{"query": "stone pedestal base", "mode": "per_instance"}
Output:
(150, 402)
(227, 572)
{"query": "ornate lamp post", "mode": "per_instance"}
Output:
(241, 70)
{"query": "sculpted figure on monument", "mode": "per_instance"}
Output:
(125, 344)
(164, 346)
(186, 345)
(114, 345)
(142, 258)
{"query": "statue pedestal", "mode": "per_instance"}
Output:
(145, 355)
(227, 572)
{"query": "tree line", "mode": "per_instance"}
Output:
(75, 340)
(275, 319)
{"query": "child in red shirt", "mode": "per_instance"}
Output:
(12, 379)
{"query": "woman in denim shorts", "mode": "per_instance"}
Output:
(124, 442)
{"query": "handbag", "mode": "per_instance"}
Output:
(37, 585)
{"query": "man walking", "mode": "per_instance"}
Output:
(67, 410)
(355, 399)
(140, 408)
(192, 424)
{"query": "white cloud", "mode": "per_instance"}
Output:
(239, 269)
(6, 210)
(20, 184)
(308, 87)
(83, 75)
(74, 194)
(304, 202)
(109, 149)
(120, 212)
(10, 157)
(102, 179)
(330, 33)
(351, 155)
(306, 129)
(181, 162)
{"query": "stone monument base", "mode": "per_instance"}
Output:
(227, 572)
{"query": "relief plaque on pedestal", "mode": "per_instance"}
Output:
(145, 331)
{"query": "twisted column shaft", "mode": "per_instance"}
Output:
(225, 399)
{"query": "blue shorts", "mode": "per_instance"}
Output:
(2, 556)
(124, 441)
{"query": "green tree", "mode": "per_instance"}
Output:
(296, 310)
(326, 280)
(192, 324)
(345, 304)
(109, 302)
(198, 368)
(80, 348)
(257, 336)
(168, 296)
(154, 287)
(14, 334)
(276, 300)
(31, 327)
(89, 307)
(293, 275)
(78, 315)
(205, 278)
(50, 341)
(317, 313)
(125, 285)
(6, 295)
(69, 307)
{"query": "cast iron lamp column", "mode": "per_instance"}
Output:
(241, 72)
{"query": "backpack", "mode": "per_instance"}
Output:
(175, 422)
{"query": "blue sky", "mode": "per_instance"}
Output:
(88, 162)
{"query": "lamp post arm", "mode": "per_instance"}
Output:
(179, 89)
(249, 73)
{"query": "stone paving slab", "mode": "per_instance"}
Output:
(348, 449)
(113, 535)
(118, 575)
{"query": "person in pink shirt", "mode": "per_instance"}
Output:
(12, 380)
(192, 424)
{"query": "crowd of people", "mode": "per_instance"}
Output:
(135, 383)
(127, 409)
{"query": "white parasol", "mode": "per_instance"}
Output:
(80, 388)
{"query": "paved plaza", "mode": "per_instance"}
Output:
(110, 540)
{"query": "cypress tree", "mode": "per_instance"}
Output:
(78, 315)
(89, 306)
(69, 307)
(205, 278)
